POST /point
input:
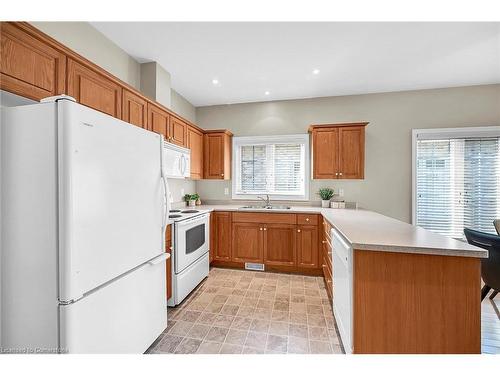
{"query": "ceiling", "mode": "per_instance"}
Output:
(249, 59)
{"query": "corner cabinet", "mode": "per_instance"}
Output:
(217, 154)
(338, 150)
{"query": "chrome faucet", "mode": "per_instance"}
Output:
(266, 200)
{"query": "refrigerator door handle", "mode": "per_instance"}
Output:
(159, 259)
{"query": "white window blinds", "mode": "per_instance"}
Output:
(270, 167)
(457, 184)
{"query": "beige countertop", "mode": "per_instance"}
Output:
(368, 230)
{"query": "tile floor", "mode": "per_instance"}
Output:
(490, 325)
(245, 312)
(235, 311)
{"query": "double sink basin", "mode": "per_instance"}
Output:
(265, 208)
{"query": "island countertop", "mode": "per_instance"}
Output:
(368, 230)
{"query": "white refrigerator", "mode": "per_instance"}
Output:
(84, 208)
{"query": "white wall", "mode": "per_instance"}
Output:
(387, 184)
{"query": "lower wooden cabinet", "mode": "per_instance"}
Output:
(307, 246)
(168, 249)
(221, 235)
(134, 109)
(279, 244)
(247, 242)
(195, 144)
(272, 239)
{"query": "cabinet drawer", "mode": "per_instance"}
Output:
(328, 280)
(264, 218)
(307, 219)
(327, 255)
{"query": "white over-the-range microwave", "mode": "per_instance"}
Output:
(177, 161)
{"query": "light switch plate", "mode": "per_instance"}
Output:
(341, 192)
(226, 191)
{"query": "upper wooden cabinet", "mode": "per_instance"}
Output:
(247, 242)
(93, 89)
(177, 131)
(28, 66)
(221, 236)
(158, 120)
(217, 155)
(307, 246)
(338, 151)
(134, 109)
(195, 144)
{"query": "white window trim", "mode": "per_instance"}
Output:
(441, 133)
(264, 139)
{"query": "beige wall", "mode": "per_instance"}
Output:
(387, 184)
(181, 106)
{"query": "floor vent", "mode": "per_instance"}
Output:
(254, 266)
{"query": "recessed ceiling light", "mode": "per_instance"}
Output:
(316, 71)
(267, 93)
(215, 81)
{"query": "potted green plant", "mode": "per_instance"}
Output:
(191, 199)
(326, 195)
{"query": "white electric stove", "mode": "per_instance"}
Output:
(190, 252)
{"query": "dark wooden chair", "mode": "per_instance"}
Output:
(490, 267)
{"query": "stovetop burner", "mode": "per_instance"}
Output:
(175, 210)
(174, 216)
(189, 211)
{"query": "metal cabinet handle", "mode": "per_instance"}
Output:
(260, 228)
(265, 229)
(222, 174)
(298, 230)
(340, 174)
(336, 173)
(323, 241)
(307, 219)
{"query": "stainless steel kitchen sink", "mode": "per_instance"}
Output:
(265, 208)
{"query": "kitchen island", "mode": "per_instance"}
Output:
(405, 289)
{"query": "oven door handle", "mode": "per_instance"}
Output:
(201, 218)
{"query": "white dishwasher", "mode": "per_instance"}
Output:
(342, 287)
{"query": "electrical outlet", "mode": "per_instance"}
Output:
(226, 191)
(182, 193)
(341, 192)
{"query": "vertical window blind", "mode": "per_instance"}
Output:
(457, 184)
(272, 168)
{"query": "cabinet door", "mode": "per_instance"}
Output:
(307, 246)
(351, 152)
(247, 243)
(134, 109)
(168, 242)
(177, 132)
(214, 156)
(158, 120)
(222, 235)
(195, 144)
(325, 153)
(29, 67)
(94, 89)
(279, 245)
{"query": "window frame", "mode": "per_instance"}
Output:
(441, 133)
(273, 139)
